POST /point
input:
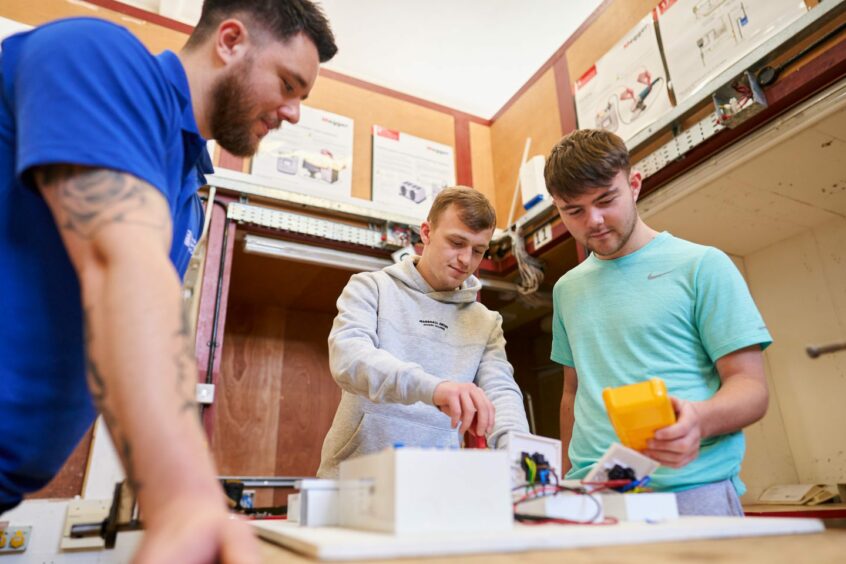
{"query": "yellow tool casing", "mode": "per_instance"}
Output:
(638, 410)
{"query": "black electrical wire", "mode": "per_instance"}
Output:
(768, 74)
(558, 489)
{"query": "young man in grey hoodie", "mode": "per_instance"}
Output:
(417, 357)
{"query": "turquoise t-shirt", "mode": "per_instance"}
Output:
(668, 310)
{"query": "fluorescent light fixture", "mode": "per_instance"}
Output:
(311, 254)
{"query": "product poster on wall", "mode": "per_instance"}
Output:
(408, 172)
(313, 156)
(626, 90)
(702, 38)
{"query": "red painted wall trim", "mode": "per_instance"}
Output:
(463, 154)
(401, 96)
(555, 56)
(208, 296)
(566, 101)
(141, 14)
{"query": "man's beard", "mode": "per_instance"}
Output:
(625, 235)
(232, 116)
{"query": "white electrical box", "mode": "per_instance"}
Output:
(532, 182)
(649, 507)
(417, 490)
(316, 504)
(618, 454)
(518, 443)
(564, 505)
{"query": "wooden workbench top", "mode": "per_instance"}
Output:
(829, 546)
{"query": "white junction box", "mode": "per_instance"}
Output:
(518, 443)
(315, 504)
(565, 505)
(417, 490)
(649, 507)
(618, 454)
(532, 183)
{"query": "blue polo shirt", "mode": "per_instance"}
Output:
(671, 309)
(87, 92)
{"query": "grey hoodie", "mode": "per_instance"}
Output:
(394, 340)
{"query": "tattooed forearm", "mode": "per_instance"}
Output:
(183, 379)
(184, 362)
(97, 385)
(93, 198)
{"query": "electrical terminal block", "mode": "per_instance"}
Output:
(536, 467)
(14, 539)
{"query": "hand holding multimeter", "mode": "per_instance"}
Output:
(664, 428)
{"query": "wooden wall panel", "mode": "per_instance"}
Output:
(262, 280)
(608, 28)
(309, 396)
(277, 398)
(534, 115)
(483, 168)
(247, 396)
(155, 37)
(370, 108)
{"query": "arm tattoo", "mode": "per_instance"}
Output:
(184, 361)
(97, 385)
(93, 198)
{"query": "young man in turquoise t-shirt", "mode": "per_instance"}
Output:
(646, 304)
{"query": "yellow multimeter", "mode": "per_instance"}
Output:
(638, 410)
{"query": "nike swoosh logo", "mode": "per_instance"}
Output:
(654, 276)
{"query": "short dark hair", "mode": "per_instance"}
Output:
(474, 209)
(282, 18)
(584, 159)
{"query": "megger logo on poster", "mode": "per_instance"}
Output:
(635, 38)
(334, 122)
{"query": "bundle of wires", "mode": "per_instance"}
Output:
(530, 268)
(538, 484)
(533, 492)
(542, 481)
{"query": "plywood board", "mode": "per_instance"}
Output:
(799, 287)
(328, 543)
(778, 194)
(308, 396)
(266, 281)
(768, 460)
(246, 415)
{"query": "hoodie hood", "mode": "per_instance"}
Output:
(406, 272)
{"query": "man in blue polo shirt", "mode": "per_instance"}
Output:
(647, 304)
(102, 151)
